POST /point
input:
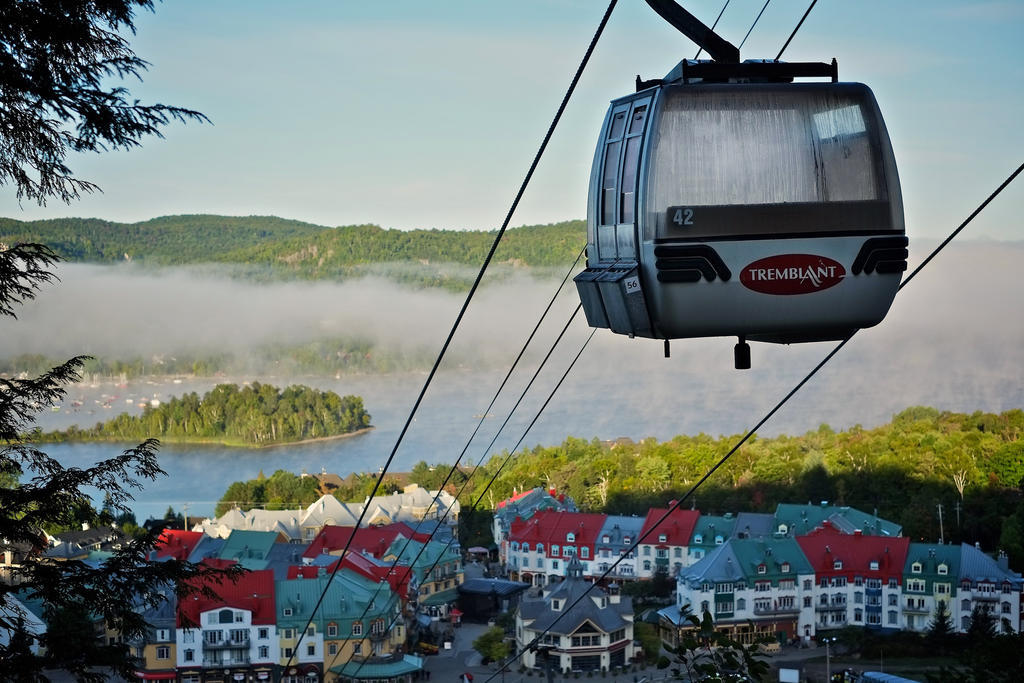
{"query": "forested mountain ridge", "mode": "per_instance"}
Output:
(291, 248)
(252, 415)
(168, 240)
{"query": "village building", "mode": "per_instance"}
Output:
(751, 587)
(616, 541)
(666, 537)
(584, 627)
(540, 548)
(523, 506)
(859, 579)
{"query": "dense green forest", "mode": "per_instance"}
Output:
(319, 357)
(972, 464)
(266, 246)
(253, 415)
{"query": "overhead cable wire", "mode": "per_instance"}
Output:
(483, 416)
(693, 489)
(483, 456)
(714, 25)
(469, 297)
(497, 472)
(754, 24)
(798, 25)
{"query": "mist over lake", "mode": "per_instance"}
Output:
(952, 340)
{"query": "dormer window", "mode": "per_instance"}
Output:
(605, 539)
(540, 547)
(555, 550)
(915, 568)
(838, 564)
(662, 538)
(625, 540)
(584, 551)
(287, 611)
(785, 567)
(526, 547)
(762, 569)
(570, 537)
(783, 529)
(943, 569)
(515, 546)
(556, 605)
(874, 565)
(719, 540)
(698, 539)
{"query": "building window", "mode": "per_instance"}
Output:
(584, 551)
(332, 630)
(554, 550)
(287, 654)
(915, 568)
(678, 552)
(892, 617)
(785, 567)
(858, 615)
(838, 564)
(540, 547)
(762, 569)
(263, 634)
(264, 652)
(332, 648)
(719, 539)
(190, 655)
(858, 597)
(357, 649)
(647, 565)
(741, 604)
(570, 537)
(556, 605)
(1006, 608)
(357, 628)
(647, 551)
(807, 601)
(163, 652)
(943, 570)
(287, 611)
(311, 649)
(662, 538)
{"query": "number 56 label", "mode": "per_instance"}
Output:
(680, 215)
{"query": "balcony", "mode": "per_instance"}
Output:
(230, 644)
(214, 662)
(779, 611)
(915, 609)
(839, 606)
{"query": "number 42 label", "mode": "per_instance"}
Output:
(680, 215)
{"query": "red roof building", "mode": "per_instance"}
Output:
(858, 577)
(176, 544)
(374, 540)
(666, 540)
(253, 593)
(544, 544)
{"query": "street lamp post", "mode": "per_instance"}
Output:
(828, 659)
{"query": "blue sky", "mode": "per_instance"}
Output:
(427, 114)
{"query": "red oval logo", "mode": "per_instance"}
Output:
(788, 274)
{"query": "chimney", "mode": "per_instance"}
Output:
(1003, 561)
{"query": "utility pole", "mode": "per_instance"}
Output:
(942, 536)
(184, 509)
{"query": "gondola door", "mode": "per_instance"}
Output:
(610, 287)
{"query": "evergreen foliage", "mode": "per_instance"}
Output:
(253, 415)
(60, 63)
(38, 493)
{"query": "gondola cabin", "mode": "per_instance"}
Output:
(770, 211)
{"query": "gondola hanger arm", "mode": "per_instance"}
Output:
(717, 47)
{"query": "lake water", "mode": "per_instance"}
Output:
(951, 342)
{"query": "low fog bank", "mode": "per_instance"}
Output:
(953, 340)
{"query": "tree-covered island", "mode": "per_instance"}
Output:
(251, 416)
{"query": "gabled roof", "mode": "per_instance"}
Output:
(720, 565)
(374, 540)
(677, 527)
(773, 554)
(803, 519)
(251, 549)
(176, 544)
(978, 566)
(253, 592)
(618, 528)
(552, 526)
(826, 546)
(753, 525)
(930, 556)
(709, 527)
(576, 606)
